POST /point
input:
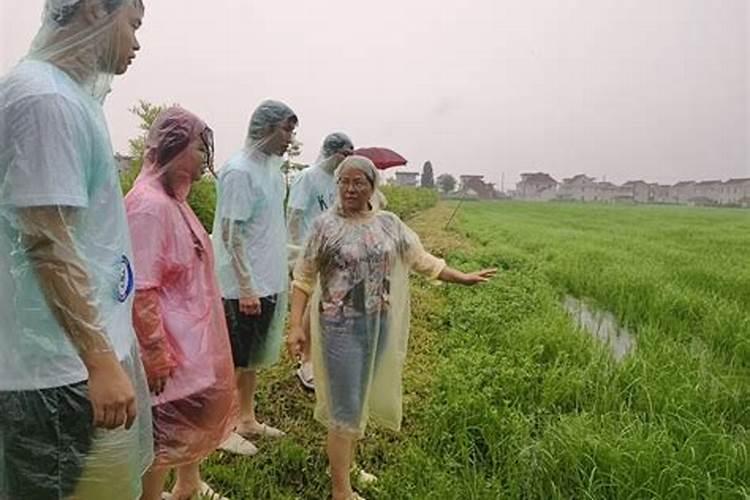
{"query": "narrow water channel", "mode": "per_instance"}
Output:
(601, 325)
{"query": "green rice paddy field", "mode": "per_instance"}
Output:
(507, 398)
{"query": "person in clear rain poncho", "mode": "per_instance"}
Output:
(354, 269)
(249, 238)
(312, 193)
(74, 403)
(178, 314)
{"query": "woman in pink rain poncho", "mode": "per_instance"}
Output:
(178, 314)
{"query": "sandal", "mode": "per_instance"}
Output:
(207, 493)
(238, 445)
(264, 431)
(363, 477)
(305, 376)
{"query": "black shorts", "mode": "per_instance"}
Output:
(45, 435)
(249, 334)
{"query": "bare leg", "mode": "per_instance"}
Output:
(153, 483)
(340, 456)
(306, 353)
(305, 370)
(188, 482)
(247, 382)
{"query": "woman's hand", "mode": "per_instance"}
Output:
(158, 382)
(450, 275)
(296, 341)
(477, 277)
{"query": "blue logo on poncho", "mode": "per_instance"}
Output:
(127, 281)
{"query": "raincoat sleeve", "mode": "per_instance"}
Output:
(47, 236)
(417, 258)
(307, 266)
(149, 252)
(49, 193)
(237, 209)
(298, 202)
(66, 268)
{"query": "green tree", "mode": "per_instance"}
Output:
(446, 183)
(428, 178)
(147, 113)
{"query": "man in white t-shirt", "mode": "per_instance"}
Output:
(249, 238)
(74, 408)
(312, 193)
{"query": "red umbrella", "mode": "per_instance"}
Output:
(382, 157)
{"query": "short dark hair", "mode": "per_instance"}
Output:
(63, 15)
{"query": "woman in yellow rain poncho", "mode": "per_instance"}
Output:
(355, 267)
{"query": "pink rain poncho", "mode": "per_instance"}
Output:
(178, 314)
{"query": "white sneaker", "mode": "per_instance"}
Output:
(207, 493)
(238, 445)
(363, 477)
(305, 375)
(264, 430)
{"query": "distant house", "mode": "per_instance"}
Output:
(736, 192)
(682, 192)
(641, 191)
(475, 184)
(407, 179)
(660, 193)
(536, 187)
(540, 186)
(624, 194)
(706, 193)
(577, 188)
(602, 191)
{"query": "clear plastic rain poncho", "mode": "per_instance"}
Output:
(356, 270)
(66, 272)
(249, 237)
(313, 191)
(178, 314)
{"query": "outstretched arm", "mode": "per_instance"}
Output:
(450, 275)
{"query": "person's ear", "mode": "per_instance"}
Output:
(93, 11)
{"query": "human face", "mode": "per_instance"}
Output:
(340, 156)
(355, 190)
(280, 138)
(199, 158)
(127, 21)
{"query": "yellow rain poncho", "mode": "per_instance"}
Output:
(356, 271)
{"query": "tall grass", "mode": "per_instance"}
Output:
(524, 406)
(505, 398)
(406, 202)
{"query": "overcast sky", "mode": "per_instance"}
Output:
(652, 89)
